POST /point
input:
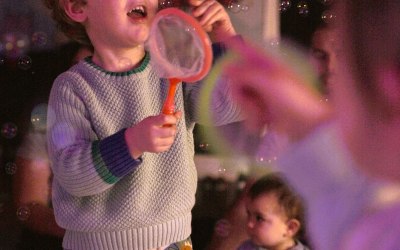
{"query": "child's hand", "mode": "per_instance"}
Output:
(214, 19)
(150, 135)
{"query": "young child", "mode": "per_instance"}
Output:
(122, 180)
(275, 216)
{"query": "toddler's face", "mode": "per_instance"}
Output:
(266, 223)
(122, 23)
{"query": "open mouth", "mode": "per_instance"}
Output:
(138, 12)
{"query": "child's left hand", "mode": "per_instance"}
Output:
(214, 19)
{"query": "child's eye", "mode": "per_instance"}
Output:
(259, 218)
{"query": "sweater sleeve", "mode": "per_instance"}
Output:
(82, 163)
(336, 192)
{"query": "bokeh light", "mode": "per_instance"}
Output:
(15, 44)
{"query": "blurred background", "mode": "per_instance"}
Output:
(33, 53)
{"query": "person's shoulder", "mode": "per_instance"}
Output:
(74, 74)
(300, 246)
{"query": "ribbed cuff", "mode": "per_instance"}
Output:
(114, 159)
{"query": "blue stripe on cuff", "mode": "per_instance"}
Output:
(116, 156)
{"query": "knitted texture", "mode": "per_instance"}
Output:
(103, 197)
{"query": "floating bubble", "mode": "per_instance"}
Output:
(273, 43)
(9, 130)
(24, 62)
(2, 60)
(223, 228)
(166, 4)
(244, 8)
(285, 5)
(303, 8)
(204, 147)
(221, 170)
(10, 168)
(234, 7)
(328, 16)
(23, 213)
(39, 117)
(39, 39)
(326, 2)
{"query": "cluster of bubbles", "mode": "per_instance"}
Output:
(15, 45)
(303, 8)
(234, 6)
(238, 6)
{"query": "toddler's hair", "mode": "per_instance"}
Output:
(288, 199)
(74, 30)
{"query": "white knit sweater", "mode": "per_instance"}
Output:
(103, 197)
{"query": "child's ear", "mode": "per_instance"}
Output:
(75, 9)
(293, 226)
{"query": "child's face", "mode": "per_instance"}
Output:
(266, 223)
(119, 24)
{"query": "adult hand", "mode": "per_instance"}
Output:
(213, 18)
(273, 93)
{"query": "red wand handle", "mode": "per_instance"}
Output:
(169, 104)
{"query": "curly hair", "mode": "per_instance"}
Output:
(288, 199)
(74, 30)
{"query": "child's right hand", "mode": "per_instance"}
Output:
(151, 134)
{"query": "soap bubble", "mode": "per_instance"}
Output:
(326, 2)
(303, 8)
(23, 213)
(166, 4)
(223, 228)
(285, 5)
(24, 62)
(39, 117)
(9, 130)
(10, 168)
(328, 16)
(234, 7)
(39, 39)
